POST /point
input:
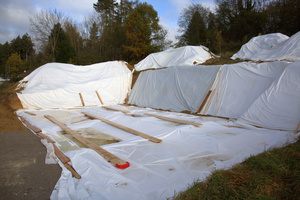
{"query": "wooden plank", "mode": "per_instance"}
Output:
(72, 170)
(297, 128)
(135, 132)
(31, 127)
(60, 155)
(202, 103)
(218, 90)
(209, 101)
(99, 97)
(30, 113)
(82, 102)
(105, 154)
(115, 109)
(174, 120)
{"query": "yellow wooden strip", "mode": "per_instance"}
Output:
(99, 97)
(203, 101)
(297, 128)
(135, 132)
(105, 154)
(80, 95)
(173, 120)
(30, 113)
(209, 101)
(115, 109)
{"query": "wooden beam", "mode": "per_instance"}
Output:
(30, 113)
(28, 125)
(135, 132)
(297, 128)
(202, 103)
(116, 109)
(209, 101)
(102, 152)
(82, 102)
(60, 155)
(99, 97)
(174, 120)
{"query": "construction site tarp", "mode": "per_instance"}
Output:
(237, 86)
(157, 170)
(182, 56)
(57, 85)
(175, 88)
(271, 47)
(279, 106)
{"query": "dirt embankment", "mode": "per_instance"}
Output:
(9, 102)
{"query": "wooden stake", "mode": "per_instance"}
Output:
(297, 128)
(209, 101)
(102, 152)
(143, 135)
(99, 97)
(201, 105)
(116, 109)
(174, 120)
(80, 95)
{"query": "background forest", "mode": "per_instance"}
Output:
(130, 30)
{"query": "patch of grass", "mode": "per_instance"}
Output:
(273, 174)
(225, 58)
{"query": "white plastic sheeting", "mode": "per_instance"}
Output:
(237, 86)
(271, 47)
(182, 56)
(279, 106)
(56, 85)
(175, 88)
(156, 171)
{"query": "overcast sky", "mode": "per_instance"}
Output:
(15, 14)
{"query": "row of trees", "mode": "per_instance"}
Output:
(234, 22)
(130, 30)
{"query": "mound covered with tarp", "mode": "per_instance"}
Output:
(256, 92)
(271, 47)
(182, 56)
(57, 85)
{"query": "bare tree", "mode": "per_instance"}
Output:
(42, 24)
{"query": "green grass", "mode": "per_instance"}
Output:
(272, 175)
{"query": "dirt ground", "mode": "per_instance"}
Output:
(23, 172)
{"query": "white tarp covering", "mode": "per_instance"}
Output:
(279, 106)
(237, 86)
(182, 56)
(57, 85)
(271, 47)
(175, 88)
(157, 170)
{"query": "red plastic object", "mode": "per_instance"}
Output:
(123, 166)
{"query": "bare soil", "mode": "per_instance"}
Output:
(23, 172)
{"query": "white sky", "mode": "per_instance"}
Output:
(15, 14)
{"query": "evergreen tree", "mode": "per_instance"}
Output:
(196, 31)
(63, 51)
(141, 29)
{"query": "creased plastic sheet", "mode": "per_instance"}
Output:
(182, 56)
(271, 47)
(57, 85)
(237, 86)
(176, 88)
(279, 106)
(156, 171)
